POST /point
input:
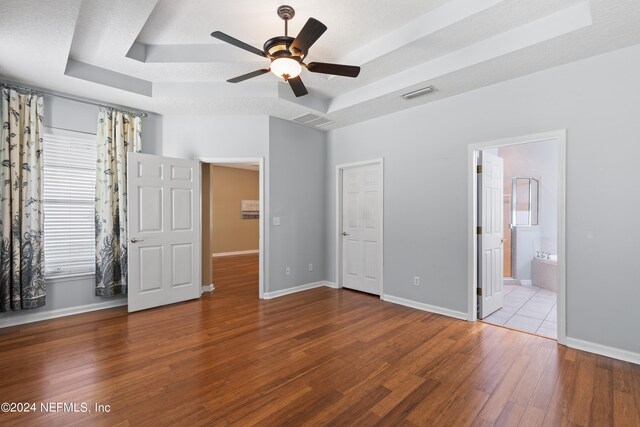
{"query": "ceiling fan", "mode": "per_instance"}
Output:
(287, 54)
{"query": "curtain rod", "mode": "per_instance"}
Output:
(73, 98)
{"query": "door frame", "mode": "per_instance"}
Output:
(560, 136)
(262, 277)
(338, 237)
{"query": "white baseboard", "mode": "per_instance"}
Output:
(288, 291)
(331, 285)
(603, 350)
(207, 288)
(252, 251)
(61, 312)
(525, 282)
(425, 307)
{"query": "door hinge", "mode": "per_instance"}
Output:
(479, 230)
(479, 292)
(479, 169)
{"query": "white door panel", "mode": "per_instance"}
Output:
(163, 209)
(361, 224)
(490, 241)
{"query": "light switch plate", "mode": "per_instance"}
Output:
(276, 220)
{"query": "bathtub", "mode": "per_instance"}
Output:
(543, 273)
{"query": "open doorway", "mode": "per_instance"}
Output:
(517, 216)
(232, 227)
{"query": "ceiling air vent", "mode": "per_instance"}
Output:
(306, 118)
(313, 120)
(419, 92)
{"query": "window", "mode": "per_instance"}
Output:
(69, 202)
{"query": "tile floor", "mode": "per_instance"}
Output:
(529, 309)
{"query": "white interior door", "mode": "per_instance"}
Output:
(490, 237)
(164, 230)
(361, 225)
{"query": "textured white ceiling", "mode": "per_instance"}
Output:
(38, 37)
(350, 22)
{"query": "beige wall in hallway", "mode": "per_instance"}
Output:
(230, 233)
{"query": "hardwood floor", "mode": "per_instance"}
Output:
(235, 276)
(320, 357)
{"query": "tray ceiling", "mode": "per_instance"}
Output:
(157, 55)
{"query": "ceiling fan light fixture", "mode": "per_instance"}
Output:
(288, 53)
(286, 68)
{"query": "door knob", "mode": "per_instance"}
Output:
(134, 240)
(344, 233)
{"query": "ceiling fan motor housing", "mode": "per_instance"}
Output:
(278, 47)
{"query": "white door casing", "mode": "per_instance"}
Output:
(164, 230)
(491, 238)
(361, 225)
(560, 137)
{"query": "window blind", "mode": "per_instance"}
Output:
(69, 176)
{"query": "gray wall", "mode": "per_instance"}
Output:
(193, 137)
(71, 115)
(425, 149)
(197, 137)
(294, 183)
(63, 113)
(297, 176)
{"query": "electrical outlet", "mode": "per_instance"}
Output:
(287, 271)
(310, 267)
(276, 220)
(416, 281)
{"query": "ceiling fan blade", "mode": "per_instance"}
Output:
(237, 43)
(298, 87)
(335, 69)
(248, 76)
(309, 34)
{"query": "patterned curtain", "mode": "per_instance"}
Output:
(118, 134)
(21, 218)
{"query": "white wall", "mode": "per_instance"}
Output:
(425, 149)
